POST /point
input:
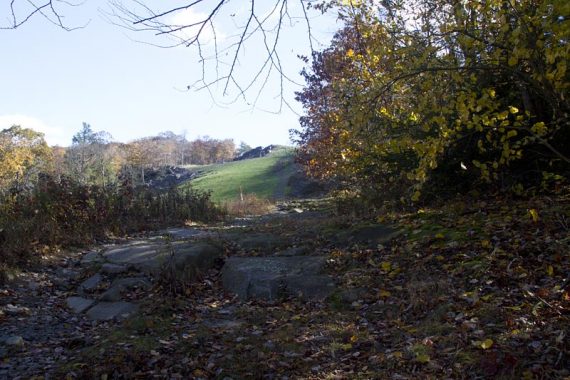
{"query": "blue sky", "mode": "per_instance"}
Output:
(53, 80)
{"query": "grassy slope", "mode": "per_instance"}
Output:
(265, 177)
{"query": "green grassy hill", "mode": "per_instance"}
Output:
(266, 177)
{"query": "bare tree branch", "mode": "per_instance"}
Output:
(240, 44)
(197, 24)
(22, 11)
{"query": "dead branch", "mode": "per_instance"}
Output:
(22, 11)
(263, 21)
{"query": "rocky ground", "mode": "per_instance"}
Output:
(460, 292)
(50, 314)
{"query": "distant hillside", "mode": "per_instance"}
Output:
(274, 176)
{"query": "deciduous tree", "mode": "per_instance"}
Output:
(460, 89)
(23, 154)
(89, 159)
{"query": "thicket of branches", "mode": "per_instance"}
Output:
(256, 29)
(225, 35)
(17, 13)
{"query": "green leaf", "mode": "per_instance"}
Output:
(423, 358)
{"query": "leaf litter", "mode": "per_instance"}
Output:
(467, 291)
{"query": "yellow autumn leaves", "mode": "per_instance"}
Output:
(22, 153)
(391, 104)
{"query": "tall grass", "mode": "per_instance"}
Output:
(247, 205)
(64, 213)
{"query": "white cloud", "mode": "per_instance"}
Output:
(189, 17)
(53, 135)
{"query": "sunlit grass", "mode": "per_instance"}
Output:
(266, 177)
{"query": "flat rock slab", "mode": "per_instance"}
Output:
(259, 242)
(92, 257)
(91, 283)
(112, 295)
(182, 233)
(271, 278)
(106, 311)
(371, 235)
(121, 286)
(110, 268)
(144, 257)
(79, 304)
(185, 257)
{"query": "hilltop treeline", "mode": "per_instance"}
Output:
(93, 158)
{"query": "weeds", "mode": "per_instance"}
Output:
(247, 204)
(171, 280)
(65, 213)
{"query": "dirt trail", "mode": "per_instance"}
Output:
(281, 187)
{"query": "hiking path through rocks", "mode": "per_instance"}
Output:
(51, 316)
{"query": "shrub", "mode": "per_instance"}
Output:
(469, 96)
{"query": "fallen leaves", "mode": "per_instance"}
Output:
(533, 214)
(476, 290)
(486, 344)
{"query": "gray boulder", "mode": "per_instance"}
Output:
(191, 259)
(79, 304)
(259, 242)
(316, 287)
(106, 311)
(91, 283)
(271, 278)
(112, 269)
(185, 257)
(91, 258)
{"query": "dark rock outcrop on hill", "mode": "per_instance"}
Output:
(168, 176)
(256, 152)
